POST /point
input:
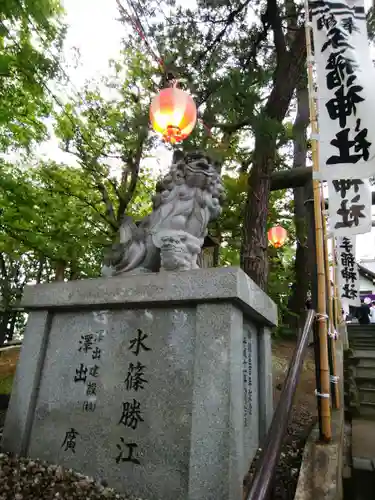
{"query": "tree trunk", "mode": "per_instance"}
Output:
(254, 248)
(298, 298)
(4, 320)
(12, 326)
(74, 271)
(5, 293)
(40, 269)
(60, 270)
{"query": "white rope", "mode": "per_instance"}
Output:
(334, 379)
(320, 395)
(321, 317)
(334, 335)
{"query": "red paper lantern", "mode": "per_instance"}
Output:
(173, 114)
(277, 236)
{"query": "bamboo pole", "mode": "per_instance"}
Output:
(325, 424)
(332, 341)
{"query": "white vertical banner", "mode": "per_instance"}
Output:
(349, 206)
(346, 99)
(348, 270)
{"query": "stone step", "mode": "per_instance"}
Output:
(363, 446)
(362, 346)
(365, 383)
(358, 326)
(360, 353)
(367, 410)
(361, 333)
(367, 395)
(366, 363)
(365, 372)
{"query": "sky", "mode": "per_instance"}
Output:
(96, 33)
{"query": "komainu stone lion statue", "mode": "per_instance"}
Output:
(171, 237)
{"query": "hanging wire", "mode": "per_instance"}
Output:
(142, 32)
(137, 25)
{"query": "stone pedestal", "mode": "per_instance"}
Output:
(159, 383)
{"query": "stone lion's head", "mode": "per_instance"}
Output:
(196, 170)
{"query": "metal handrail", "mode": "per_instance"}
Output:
(261, 484)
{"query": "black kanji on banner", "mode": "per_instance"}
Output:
(350, 151)
(337, 24)
(348, 271)
(351, 208)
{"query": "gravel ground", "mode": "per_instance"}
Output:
(302, 418)
(24, 479)
(287, 471)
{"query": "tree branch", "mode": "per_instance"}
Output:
(292, 20)
(89, 162)
(113, 183)
(273, 18)
(128, 192)
(229, 20)
(107, 202)
(232, 127)
(83, 200)
(291, 65)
